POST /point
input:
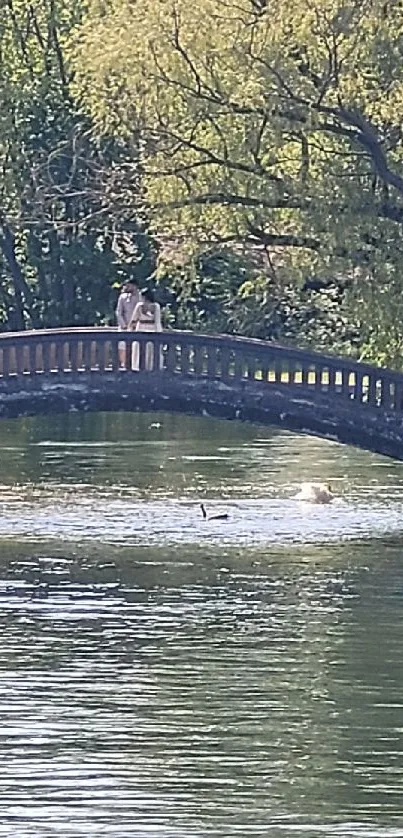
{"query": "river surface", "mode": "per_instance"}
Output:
(162, 675)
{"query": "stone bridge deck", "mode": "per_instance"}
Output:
(61, 370)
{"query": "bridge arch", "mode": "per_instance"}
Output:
(63, 370)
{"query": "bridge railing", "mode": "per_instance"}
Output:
(219, 358)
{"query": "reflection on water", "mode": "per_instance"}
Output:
(131, 480)
(251, 522)
(161, 677)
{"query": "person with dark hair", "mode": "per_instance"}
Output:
(146, 318)
(128, 298)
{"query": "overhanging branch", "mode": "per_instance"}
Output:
(229, 200)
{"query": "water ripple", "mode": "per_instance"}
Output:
(160, 676)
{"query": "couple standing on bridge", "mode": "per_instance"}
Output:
(137, 311)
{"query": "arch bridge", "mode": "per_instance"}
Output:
(61, 370)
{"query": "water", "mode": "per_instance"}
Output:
(165, 676)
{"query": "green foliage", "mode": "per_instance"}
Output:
(275, 125)
(219, 291)
(264, 151)
(71, 218)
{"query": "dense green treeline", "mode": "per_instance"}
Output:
(71, 224)
(247, 158)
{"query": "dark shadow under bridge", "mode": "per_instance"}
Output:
(61, 370)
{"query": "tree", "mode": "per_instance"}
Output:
(276, 126)
(71, 217)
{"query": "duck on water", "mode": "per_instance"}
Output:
(222, 516)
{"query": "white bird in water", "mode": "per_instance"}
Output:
(315, 493)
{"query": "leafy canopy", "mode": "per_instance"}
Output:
(264, 112)
(276, 125)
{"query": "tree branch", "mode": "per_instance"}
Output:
(229, 200)
(283, 239)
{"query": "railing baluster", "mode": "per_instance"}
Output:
(79, 359)
(211, 361)
(60, 355)
(46, 357)
(27, 356)
(32, 348)
(185, 360)
(178, 351)
(171, 357)
(318, 376)
(152, 357)
(332, 379)
(345, 382)
(6, 361)
(107, 360)
(265, 370)
(390, 394)
(251, 366)
(285, 375)
(383, 394)
(39, 358)
(225, 364)
(157, 362)
(106, 346)
(358, 387)
(128, 356)
(278, 371)
(142, 355)
(238, 365)
(398, 396)
(114, 355)
(12, 361)
(100, 355)
(386, 395)
(305, 374)
(294, 372)
(372, 390)
(87, 355)
(365, 389)
(191, 359)
(199, 360)
(19, 359)
(73, 346)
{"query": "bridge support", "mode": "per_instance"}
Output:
(292, 408)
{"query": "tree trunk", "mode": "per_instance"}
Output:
(22, 293)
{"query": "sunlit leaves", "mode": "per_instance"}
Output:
(276, 125)
(271, 105)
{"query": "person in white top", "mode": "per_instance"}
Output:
(128, 298)
(146, 318)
